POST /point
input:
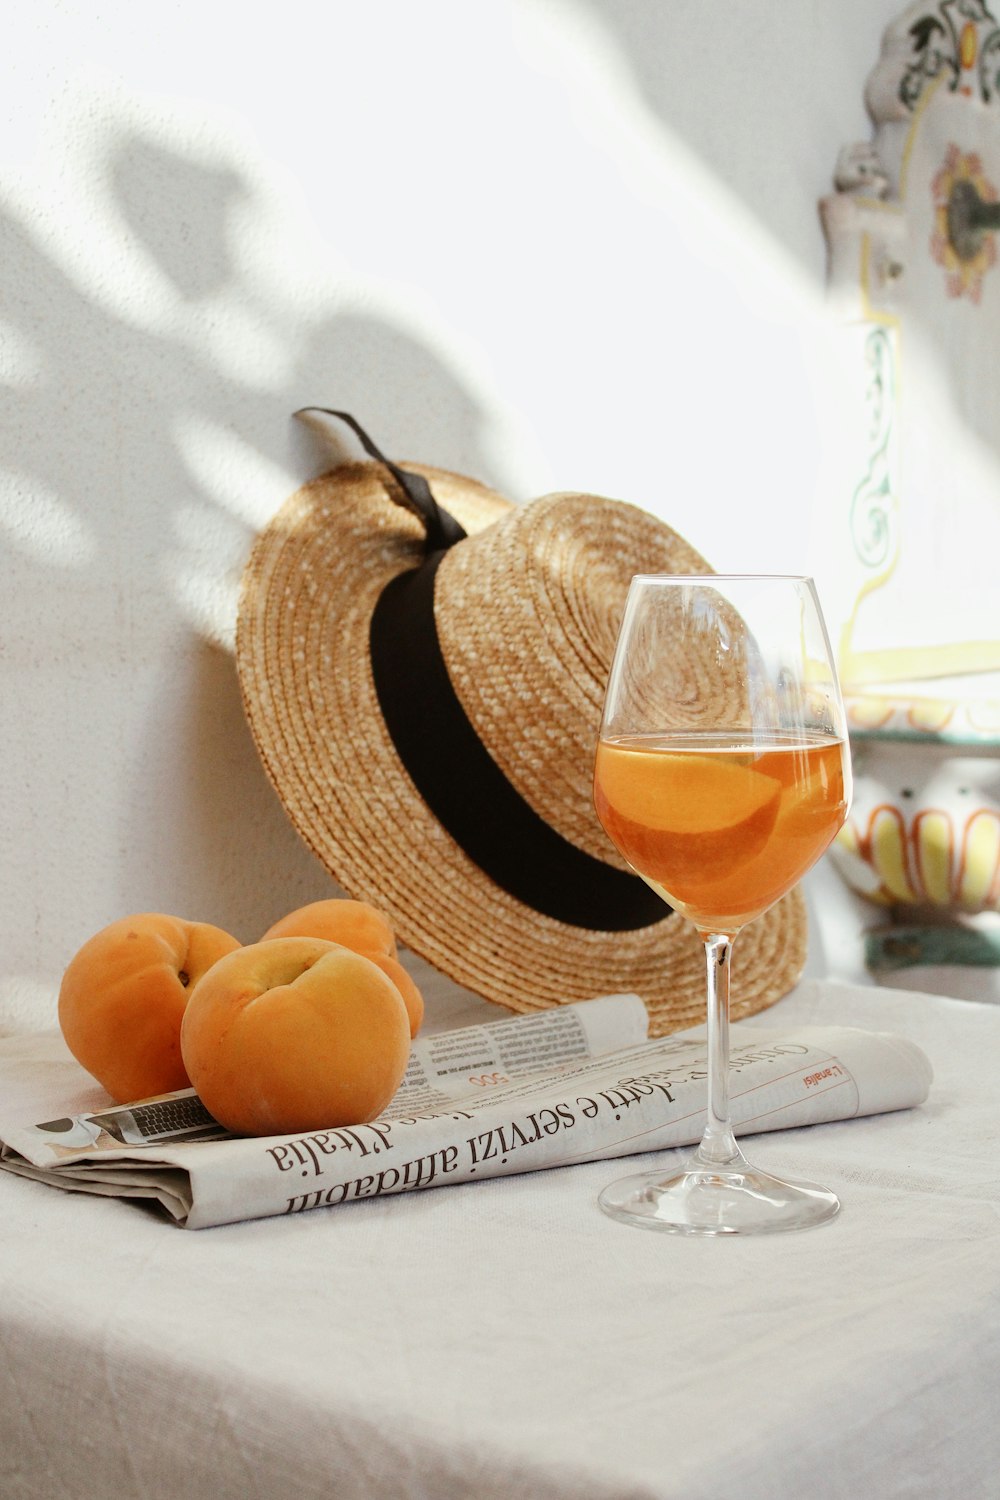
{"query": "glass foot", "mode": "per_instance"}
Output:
(736, 1199)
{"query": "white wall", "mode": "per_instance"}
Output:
(552, 243)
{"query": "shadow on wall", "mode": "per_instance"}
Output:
(695, 79)
(183, 224)
(716, 83)
(699, 69)
(102, 513)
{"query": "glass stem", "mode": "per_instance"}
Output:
(718, 1144)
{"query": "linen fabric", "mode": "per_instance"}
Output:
(506, 1338)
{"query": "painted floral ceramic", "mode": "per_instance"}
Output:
(914, 276)
(924, 829)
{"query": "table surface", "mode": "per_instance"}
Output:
(505, 1338)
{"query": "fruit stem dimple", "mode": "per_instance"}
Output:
(184, 977)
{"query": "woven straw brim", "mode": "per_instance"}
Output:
(527, 610)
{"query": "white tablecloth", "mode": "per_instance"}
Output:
(507, 1339)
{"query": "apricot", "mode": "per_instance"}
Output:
(294, 1034)
(365, 929)
(123, 997)
(355, 924)
(405, 984)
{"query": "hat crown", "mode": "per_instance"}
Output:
(527, 614)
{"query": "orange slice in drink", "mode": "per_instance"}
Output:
(684, 819)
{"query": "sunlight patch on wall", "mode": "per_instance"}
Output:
(241, 489)
(42, 526)
(233, 473)
(162, 214)
(585, 62)
(715, 326)
(202, 570)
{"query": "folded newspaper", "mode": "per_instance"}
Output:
(574, 1084)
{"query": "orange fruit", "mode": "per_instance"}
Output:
(123, 997)
(683, 791)
(680, 817)
(359, 926)
(295, 1034)
(406, 985)
(338, 919)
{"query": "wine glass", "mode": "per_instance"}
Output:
(722, 774)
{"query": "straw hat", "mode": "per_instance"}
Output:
(426, 697)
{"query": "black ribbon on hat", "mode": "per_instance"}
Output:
(450, 766)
